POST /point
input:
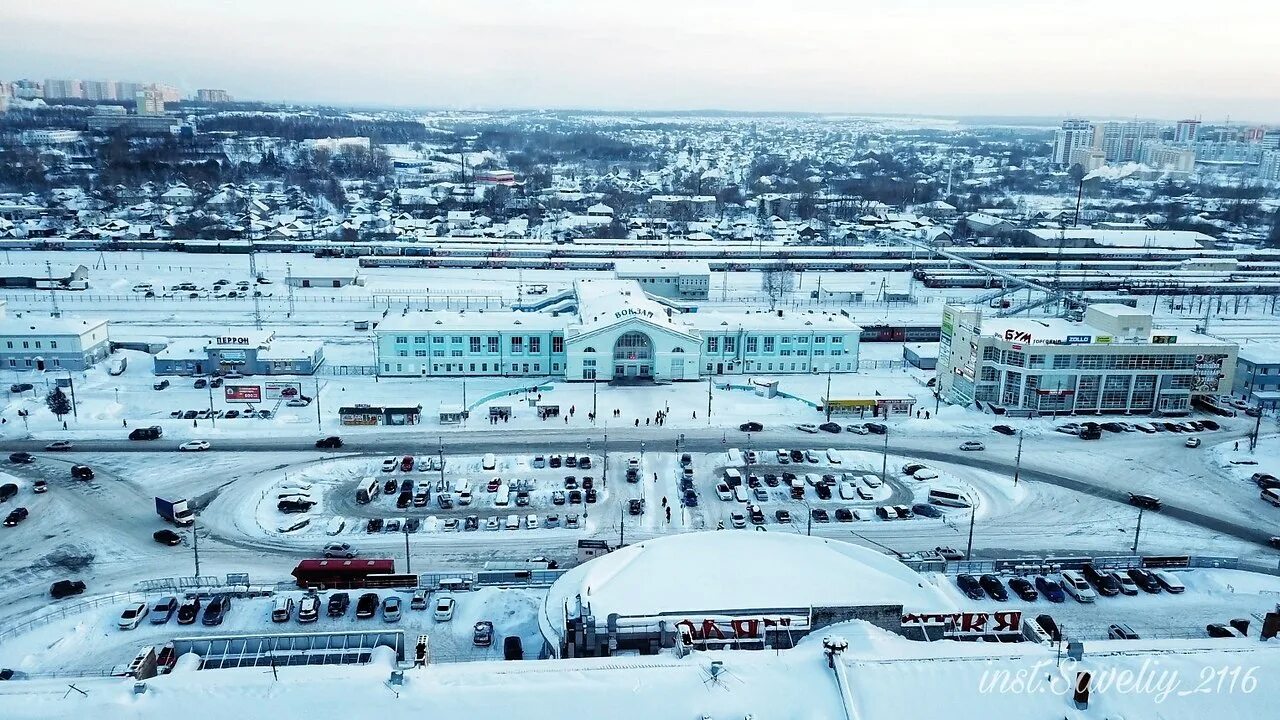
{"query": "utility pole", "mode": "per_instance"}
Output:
(195, 542)
(212, 420)
(1017, 463)
(826, 402)
(1137, 532)
(71, 385)
(594, 411)
(884, 460)
(408, 560)
(53, 295)
(604, 472)
(317, 401)
(288, 283)
(622, 520)
(441, 456)
(708, 399)
(973, 515)
(1253, 438)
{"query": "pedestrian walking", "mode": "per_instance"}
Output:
(566, 419)
(64, 424)
(646, 422)
(572, 408)
(126, 423)
(1237, 445)
(695, 414)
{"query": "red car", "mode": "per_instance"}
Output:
(493, 485)
(406, 464)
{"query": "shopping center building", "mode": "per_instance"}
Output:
(612, 329)
(1112, 362)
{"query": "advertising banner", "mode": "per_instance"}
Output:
(275, 390)
(243, 393)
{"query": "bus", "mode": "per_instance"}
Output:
(949, 497)
(342, 573)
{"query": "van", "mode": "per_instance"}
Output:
(118, 365)
(949, 497)
(367, 490)
(513, 522)
(282, 610)
(732, 477)
(489, 461)
(502, 497)
(1077, 587)
(1271, 495)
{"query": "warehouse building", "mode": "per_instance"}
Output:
(248, 353)
(1112, 362)
(615, 331)
(1257, 378)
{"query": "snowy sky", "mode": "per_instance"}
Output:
(1155, 58)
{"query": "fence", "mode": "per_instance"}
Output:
(1043, 565)
(535, 388)
(64, 611)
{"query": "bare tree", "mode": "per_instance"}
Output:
(777, 281)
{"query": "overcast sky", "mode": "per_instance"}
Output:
(1167, 58)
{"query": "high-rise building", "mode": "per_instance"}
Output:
(1169, 157)
(55, 89)
(4, 102)
(128, 90)
(28, 89)
(1186, 131)
(1229, 152)
(1269, 169)
(213, 96)
(150, 102)
(99, 90)
(168, 93)
(1271, 139)
(1073, 134)
(1120, 141)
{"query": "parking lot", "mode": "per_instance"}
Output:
(94, 640)
(1209, 597)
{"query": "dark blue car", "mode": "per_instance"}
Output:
(216, 611)
(1050, 589)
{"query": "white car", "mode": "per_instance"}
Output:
(808, 427)
(1192, 442)
(489, 461)
(872, 481)
(856, 429)
(738, 519)
(309, 609)
(390, 464)
(833, 456)
(864, 494)
(531, 522)
(194, 445)
(491, 523)
(847, 491)
(444, 608)
(339, 550)
(972, 445)
(132, 616)
(925, 474)
(539, 461)
(391, 609)
(723, 492)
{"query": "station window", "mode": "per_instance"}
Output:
(557, 344)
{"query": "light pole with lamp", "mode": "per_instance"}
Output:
(973, 514)
(1137, 531)
(884, 460)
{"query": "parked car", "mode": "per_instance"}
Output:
(81, 472)
(391, 608)
(163, 609)
(844, 515)
(970, 586)
(22, 458)
(482, 634)
(444, 608)
(1051, 589)
(160, 385)
(1105, 584)
(1221, 630)
(1169, 582)
(1192, 442)
(282, 609)
(367, 606)
(511, 648)
(216, 611)
(338, 604)
(132, 616)
(876, 428)
(1121, 631)
(994, 587)
(1077, 587)
(820, 515)
(194, 445)
(1144, 579)
(948, 553)
(830, 427)
(1124, 582)
(1023, 588)
(807, 427)
(189, 610)
(332, 442)
(59, 446)
(1004, 429)
(921, 509)
(751, 426)
(782, 516)
(1050, 627)
(309, 608)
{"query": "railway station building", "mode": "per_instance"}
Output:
(1114, 361)
(612, 330)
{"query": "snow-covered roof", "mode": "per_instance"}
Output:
(725, 570)
(1260, 353)
(1170, 239)
(31, 326)
(510, 321)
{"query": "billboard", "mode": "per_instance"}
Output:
(243, 393)
(969, 624)
(275, 390)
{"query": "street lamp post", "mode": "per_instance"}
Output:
(441, 457)
(826, 402)
(1017, 463)
(973, 515)
(1137, 531)
(408, 559)
(884, 460)
(604, 471)
(708, 399)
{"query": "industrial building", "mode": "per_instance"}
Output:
(1257, 377)
(614, 330)
(1112, 362)
(674, 279)
(248, 353)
